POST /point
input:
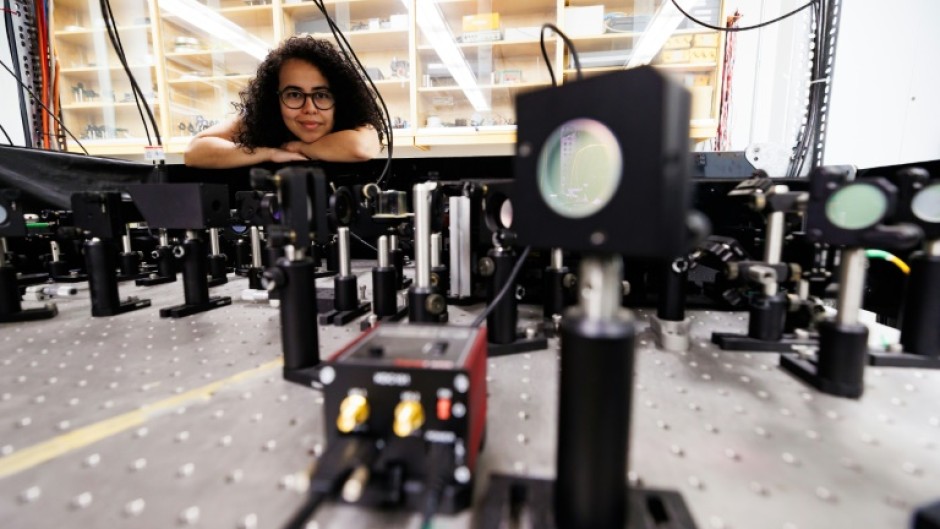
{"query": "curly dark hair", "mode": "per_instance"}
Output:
(262, 124)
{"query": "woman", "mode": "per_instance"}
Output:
(306, 103)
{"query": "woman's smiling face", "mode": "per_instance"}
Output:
(308, 122)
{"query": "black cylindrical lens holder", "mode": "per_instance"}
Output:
(920, 319)
(332, 255)
(595, 388)
(130, 263)
(767, 317)
(58, 268)
(254, 278)
(166, 265)
(9, 291)
(384, 291)
(344, 291)
(217, 266)
(397, 258)
(195, 282)
(671, 303)
(843, 352)
(242, 254)
(418, 310)
(299, 338)
(101, 263)
(501, 321)
(557, 298)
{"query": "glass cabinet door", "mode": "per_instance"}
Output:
(379, 31)
(96, 98)
(211, 50)
(473, 58)
(629, 33)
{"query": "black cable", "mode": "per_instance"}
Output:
(115, 38)
(343, 46)
(142, 99)
(15, 58)
(571, 47)
(509, 282)
(744, 28)
(118, 46)
(440, 467)
(51, 113)
(4, 131)
(310, 506)
(360, 239)
(807, 132)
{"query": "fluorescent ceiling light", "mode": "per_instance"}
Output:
(201, 19)
(431, 22)
(665, 21)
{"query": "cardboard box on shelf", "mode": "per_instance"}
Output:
(480, 22)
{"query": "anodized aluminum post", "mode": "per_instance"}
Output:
(295, 279)
(773, 246)
(596, 380)
(397, 256)
(346, 296)
(195, 282)
(424, 304)
(422, 205)
(384, 301)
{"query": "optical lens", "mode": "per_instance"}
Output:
(579, 168)
(926, 203)
(856, 206)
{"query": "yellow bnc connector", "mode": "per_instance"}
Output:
(353, 411)
(409, 416)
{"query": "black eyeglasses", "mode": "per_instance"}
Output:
(296, 99)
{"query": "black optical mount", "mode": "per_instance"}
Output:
(839, 365)
(166, 263)
(425, 302)
(920, 311)
(502, 333)
(194, 208)
(104, 216)
(597, 337)
(346, 305)
(130, 261)
(218, 269)
(670, 326)
(303, 193)
(63, 233)
(384, 290)
(12, 224)
(769, 304)
(558, 290)
(192, 252)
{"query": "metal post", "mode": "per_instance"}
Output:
(435, 250)
(255, 247)
(383, 251)
(126, 238)
(343, 233)
(558, 258)
(773, 246)
(851, 285)
(422, 207)
(214, 241)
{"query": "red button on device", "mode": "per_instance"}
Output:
(443, 409)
